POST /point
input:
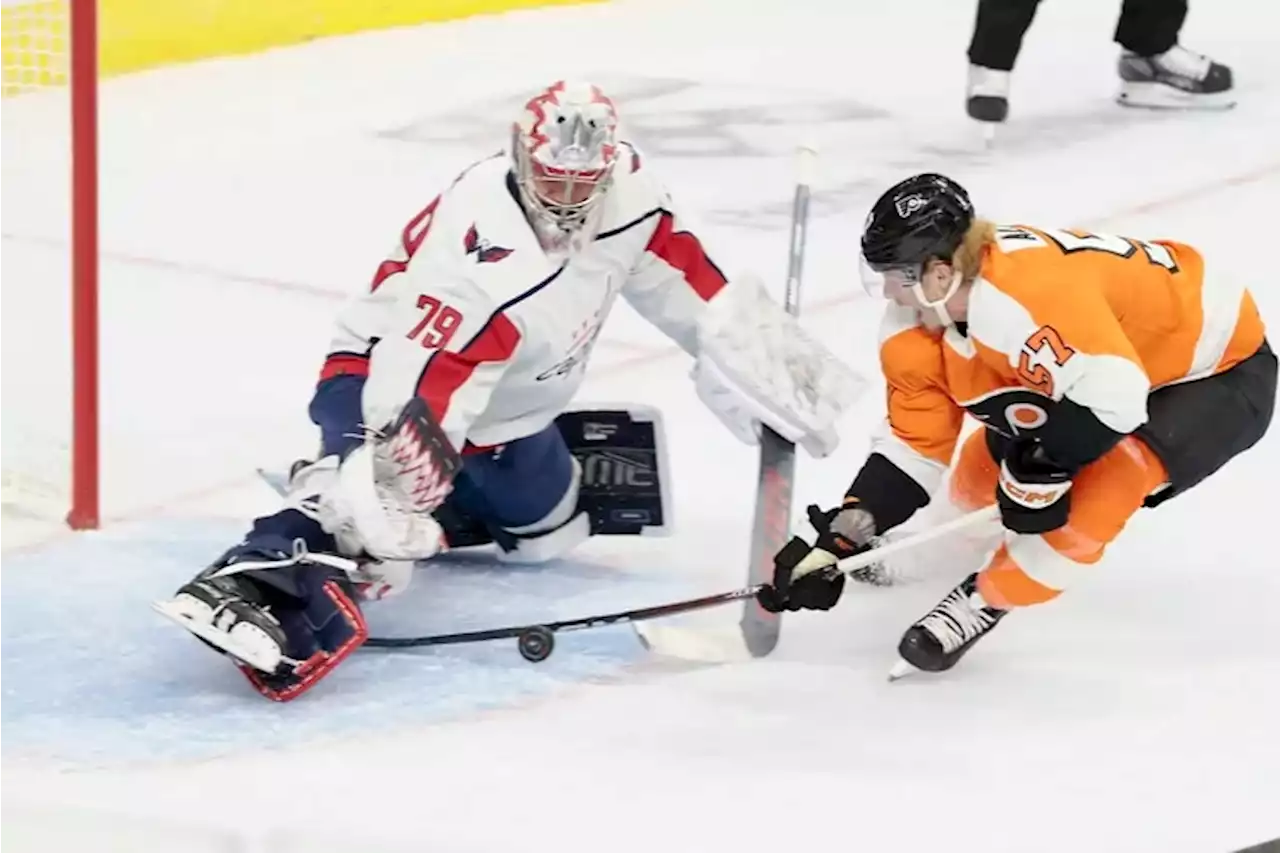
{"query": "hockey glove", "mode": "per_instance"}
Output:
(1033, 492)
(808, 577)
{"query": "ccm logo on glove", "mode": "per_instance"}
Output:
(1031, 496)
(1034, 493)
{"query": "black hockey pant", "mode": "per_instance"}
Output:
(1146, 27)
(1197, 427)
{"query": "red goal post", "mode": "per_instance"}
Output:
(52, 44)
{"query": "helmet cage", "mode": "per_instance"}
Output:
(564, 151)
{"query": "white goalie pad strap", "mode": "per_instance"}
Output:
(552, 545)
(300, 555)
(750, 347)
(374, 579)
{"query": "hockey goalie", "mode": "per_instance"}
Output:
(469, 346)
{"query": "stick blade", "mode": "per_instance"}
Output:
(700, 645)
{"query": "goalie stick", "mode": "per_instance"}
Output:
(772, 521)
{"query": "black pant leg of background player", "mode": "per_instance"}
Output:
(998, 32)
(1150, 27)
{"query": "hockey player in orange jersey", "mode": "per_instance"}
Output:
(1110, 374)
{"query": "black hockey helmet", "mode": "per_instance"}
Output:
(916, 220)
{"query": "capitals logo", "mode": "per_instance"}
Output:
(485, 252)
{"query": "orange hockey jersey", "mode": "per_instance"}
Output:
(1067, 334)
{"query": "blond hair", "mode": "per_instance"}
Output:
(968, 256)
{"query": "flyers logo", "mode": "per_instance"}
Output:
(1013, 411)
(908, 205)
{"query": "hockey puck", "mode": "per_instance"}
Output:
(536, 644)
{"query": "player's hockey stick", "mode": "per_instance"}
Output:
(760, 628)
(703, 645)
(537, 641)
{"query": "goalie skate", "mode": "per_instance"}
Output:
(216, 611)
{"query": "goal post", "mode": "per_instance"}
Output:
(56, 55)
(84, 513)
(50, 50)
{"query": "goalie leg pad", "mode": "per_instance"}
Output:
(626, 479)
(595, 472)
(285, 615)
(524, 488)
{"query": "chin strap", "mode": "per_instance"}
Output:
(939, 305)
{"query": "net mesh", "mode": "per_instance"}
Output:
(35, 37)
(36, 267)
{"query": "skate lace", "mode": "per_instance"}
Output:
(956, 621)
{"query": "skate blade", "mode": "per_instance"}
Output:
(1157, 96)
(987, 132)
(901, 670)
(702, 646)
(220, 639)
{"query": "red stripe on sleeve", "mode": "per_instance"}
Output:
(344, 364)
(682, 250)
(449, 371)
(410, 239)
(386, 269)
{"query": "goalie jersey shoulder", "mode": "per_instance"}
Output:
(637, 200)
(479, 235)
(478, 230)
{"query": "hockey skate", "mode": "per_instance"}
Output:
(938, 641)
(229, 615)
(1175, 79)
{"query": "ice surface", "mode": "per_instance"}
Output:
(243, 198)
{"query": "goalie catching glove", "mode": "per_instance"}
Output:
(808, 577)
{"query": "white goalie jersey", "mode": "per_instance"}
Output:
(492, 330)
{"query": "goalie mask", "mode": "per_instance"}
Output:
(564, 148)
